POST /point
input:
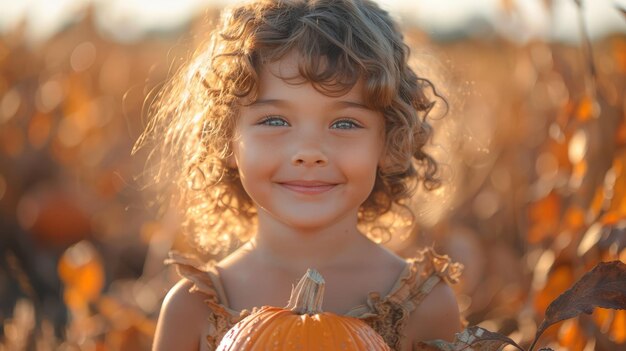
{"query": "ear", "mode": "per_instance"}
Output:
(383, 161)
(231, 159)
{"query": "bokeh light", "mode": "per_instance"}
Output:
(532, 152)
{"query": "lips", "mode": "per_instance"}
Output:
(308, 187)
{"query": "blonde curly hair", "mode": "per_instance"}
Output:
(194, 115)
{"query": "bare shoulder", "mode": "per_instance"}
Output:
(381, 266)
(436, 317)
(181, 320)
(376, 255)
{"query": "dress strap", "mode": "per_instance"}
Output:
(429, 269)
(205, 279)
(389, 314)
(204, 276)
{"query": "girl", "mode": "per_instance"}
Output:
(295, 129)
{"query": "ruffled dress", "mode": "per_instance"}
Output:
(386, 314)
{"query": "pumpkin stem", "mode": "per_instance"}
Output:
(308, 294)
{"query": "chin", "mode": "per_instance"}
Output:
(313, 223)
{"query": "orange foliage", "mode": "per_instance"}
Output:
(544, 217)
(585, 108)
(618, 327)
(80, 268)
(571, 336)
(523, 123)
(559, 280)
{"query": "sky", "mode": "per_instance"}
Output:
(129, 20)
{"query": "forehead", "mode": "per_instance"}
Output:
(287, 73)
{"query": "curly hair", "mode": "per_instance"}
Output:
(194, 115)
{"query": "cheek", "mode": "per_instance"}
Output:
(362, 174)
(382, 149)
(251, 157)
(362, 163)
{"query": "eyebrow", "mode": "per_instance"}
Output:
(279, 102)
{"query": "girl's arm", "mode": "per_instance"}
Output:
(181, 321)
(436, 317)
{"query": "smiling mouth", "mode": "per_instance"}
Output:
(309, 188)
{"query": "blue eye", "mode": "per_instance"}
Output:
(345, 124)
(273, 121)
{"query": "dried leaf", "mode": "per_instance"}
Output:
(559, 280)
(436, 345)
(472, 338)
(484, 340)
(604, 286)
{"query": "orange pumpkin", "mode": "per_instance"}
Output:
(301, 325)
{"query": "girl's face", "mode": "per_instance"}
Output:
(306, 159)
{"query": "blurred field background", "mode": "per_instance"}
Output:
(533, 151)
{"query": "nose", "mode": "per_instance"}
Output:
(307, 145)
(309, 157)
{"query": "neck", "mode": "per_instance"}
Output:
(296, 249)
